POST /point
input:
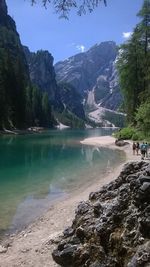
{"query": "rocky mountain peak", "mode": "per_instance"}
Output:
(42, 72)
(3, 7)
(93, 73)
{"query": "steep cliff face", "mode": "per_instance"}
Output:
(94, 71)
(10, 43)
(3, 7)
(71, 99)
(42, 74)
(107, 91)
(14, 75)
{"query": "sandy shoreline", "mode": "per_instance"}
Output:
(33, 246)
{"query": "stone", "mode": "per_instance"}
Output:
(3, 249)
(97, 209)
(82, 207)
(120, 142)
(145, 187)
(80, 233)
(68, 231)
(64, 257)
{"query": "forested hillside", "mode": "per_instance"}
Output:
(134, 72)
(21, 104)
(13, 73)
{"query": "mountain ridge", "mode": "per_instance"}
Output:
(93, 70)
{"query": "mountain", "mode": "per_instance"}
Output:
(95, 71)
(65, 100)
(94, 76)
(82, 83)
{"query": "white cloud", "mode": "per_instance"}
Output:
(81, 48)
(126, 35)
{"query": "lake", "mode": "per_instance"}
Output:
(37, 169)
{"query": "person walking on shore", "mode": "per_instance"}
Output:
(137, 148)
(146, 150)
(143, 150)
(134, 148)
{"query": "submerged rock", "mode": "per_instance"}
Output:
(112, 228)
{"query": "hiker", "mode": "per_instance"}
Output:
(134, 148)
(146, 150)
(143, 150)
(137, 148)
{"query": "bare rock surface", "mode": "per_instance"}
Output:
(112, 228)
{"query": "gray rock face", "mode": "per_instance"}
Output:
(112, 228)
(3, 7)
(93, 70)
(42, 73)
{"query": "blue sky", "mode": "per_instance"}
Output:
(41, 28)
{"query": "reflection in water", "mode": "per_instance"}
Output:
(35, 169)
(89, 153)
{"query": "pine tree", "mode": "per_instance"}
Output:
(144, 29)
(46, 110)
(134, 64)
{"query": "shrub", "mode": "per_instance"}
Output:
(138, 136)
(143, 118)
(126, 133)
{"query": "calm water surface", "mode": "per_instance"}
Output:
(37, 169)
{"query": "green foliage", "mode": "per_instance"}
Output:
(38, 109)
(93, 124)
(143, 118)
(70, 119)
(21, 105)
(13, 76)
(117, 119)
(125, 133)
(134, 65)
(64, 7)
(47, 117)
(138, 136)
(131, 133)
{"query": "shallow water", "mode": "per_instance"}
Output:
(37, 169)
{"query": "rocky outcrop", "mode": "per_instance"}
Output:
(3, 7)
(42, 74)
(112, 228)
(71, 100)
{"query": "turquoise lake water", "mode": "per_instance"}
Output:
(37, 169)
